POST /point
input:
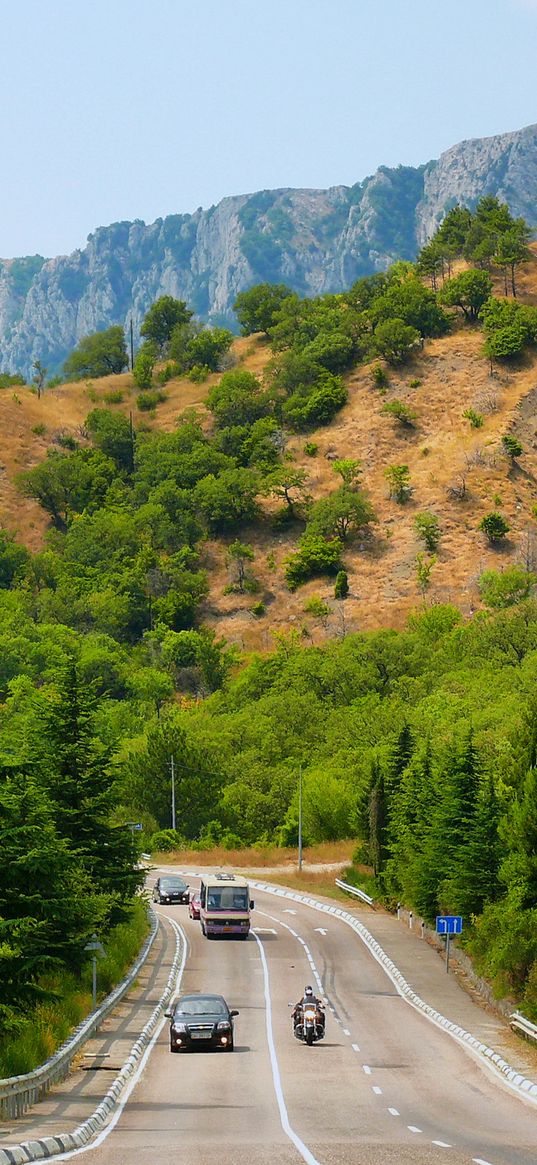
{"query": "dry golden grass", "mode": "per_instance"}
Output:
(326, 853)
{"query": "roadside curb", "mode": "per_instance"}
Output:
(45, 1147)
(526, 1088)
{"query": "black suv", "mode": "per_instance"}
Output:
(169, 890)
(201, 1021)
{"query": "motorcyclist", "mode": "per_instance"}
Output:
(311, 999)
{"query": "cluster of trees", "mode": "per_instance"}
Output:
(67, 870)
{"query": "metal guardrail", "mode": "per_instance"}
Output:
(521, 1024)
(361, 894)
(17, 1093)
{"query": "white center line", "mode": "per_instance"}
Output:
(366, 1069)
(413, 1129)
(480, 1161)
(355, 1048)
(346, 1031)
(442, 1144)
(377, 1090)
(393, 1112)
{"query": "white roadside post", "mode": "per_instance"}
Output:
(96, 949)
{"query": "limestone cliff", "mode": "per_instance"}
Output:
(314, 240)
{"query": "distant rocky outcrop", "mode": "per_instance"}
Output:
(314, 240)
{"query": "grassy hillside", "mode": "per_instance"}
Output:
(439, 450)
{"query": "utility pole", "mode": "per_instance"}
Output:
(172, 766)
(300, 818)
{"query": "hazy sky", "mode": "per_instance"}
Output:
(123, 109)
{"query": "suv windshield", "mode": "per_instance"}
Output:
(227, 898)
(172, 884)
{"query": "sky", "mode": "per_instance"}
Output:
(135, 109)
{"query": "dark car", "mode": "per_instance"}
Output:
(194, 906)
(201, 1021)
(169, 890)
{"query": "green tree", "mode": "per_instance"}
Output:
(227, 500)
(424, 568)
(238, 399)
(39, 377)
(512, 250)
(400, 412)
(427, 528)
(289, 484)
(469, 291)
(505, 588)
(315, 556)
(349, 469)
(398, 478)
(395, 341)
(512, 446)
(341, 588)
(257, 308)
(113, 434)
(98, 355)
(342, 513)
(159, 322)
(494, 526)
(144, 364)
(146, 776)
(238, 555)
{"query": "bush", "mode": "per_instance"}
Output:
(512, 447)
(314, 556)
(400, 412)
(169, 372)
(395, 341)
(39, 429)
(306, 409)
(341, 588)
(501, 589)
(8, 379)
(143, 366)
(476, 419)
(166, 840)
(113, 397)
(494, 526)
(317, 607)
(415, 383)
(379, 377)
(149, 400)
(311, 448)
(66, 440)
(199, 373)
(258, 609)
(54, 381)
(427, 528)
(398, 478)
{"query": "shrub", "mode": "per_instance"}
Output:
(400, 411)
(427, 528)
(379, 377)
(512, 446)
(476, 419)
(143, 366)
(341, 588)
(311, 448)
(317, 406)
(314, 556)
(167, 840)
(415, 383)
(39, 429)
(66, 440)
(199, 373)
(395, 340)
(170, 370)
(317, 607)
(258, 609)
(113, 397)
(54, 381)
(8, 379)
(494, 526)
(500, 589)
(398, 478)
(149, 400)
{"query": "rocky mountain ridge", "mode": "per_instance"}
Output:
(314, 240)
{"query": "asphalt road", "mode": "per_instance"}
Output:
(385, 1087)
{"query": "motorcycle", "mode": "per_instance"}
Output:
(309, 1024)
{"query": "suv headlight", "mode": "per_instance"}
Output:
(179, 1027)
(223, 1026)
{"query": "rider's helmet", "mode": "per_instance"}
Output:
(308, 992)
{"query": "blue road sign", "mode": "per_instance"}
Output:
(449, 924)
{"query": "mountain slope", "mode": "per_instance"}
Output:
(314, 240)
